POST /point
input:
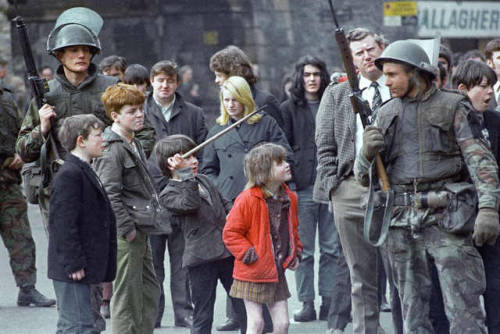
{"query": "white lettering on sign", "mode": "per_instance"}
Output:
(462, 19)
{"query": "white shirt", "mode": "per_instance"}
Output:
(367, 94)
(496, 90)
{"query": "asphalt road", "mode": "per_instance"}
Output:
(31, 320)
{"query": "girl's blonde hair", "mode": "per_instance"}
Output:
(259, 162)
(240, 90)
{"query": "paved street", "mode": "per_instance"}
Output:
(20, 320)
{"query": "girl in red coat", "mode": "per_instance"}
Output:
(261, 233)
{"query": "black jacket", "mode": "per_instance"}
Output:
(272, 105)
(201, 221)
(492, 123)
(186, 119)
(82, 225)
(299, 128)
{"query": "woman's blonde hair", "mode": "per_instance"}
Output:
(259, 162)
(240, 90)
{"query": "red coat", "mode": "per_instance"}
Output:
(247, 225)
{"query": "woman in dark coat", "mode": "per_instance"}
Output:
(223, 158)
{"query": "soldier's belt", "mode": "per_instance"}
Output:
(422, 200)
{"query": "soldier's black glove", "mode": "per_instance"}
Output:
(373, 141)
(486, 227)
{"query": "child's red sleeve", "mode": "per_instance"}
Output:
(237, 225)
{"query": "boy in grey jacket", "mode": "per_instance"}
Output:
(123, 173)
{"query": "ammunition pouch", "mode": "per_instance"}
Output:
(461, 211)
(32, 177)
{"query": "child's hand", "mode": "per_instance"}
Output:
(77, 275)
(131, 235)
(294, 264)
(176, 161)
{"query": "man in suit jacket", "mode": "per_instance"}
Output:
(82, 226)
(338, 138)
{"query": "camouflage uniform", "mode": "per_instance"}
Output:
(430, 143)
(14, 225)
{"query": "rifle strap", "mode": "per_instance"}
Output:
(373, 213)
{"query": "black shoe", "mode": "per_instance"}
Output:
(229, 325)
(306, 313)
(184, 322)
(324, 308)
(29, 295)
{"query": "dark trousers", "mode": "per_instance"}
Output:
(203, 279)
(74, 307)
(179, 284)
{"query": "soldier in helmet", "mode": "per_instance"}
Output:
(76, 88)
(441, 170)
(14, 225)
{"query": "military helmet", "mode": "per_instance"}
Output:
(70, 35)
(408, 53)
(76, 26)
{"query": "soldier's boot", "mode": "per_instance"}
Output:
(29, 295)
(324, 308)
(306, 313)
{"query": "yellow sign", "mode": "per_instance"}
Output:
(400, 8)
(211, 37)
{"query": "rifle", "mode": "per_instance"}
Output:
(39, 87)
(360, 106)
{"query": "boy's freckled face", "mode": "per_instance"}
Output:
(131, 117)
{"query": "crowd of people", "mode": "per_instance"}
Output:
(250, 204)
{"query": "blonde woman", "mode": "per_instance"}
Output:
(223, 159)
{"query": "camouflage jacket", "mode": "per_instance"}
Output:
(68, 100)
(432, 139)
(10, 122)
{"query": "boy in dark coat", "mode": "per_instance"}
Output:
(82, 227)
(196, 205)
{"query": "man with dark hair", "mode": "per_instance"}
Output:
(438, 163)
(477, 80)
(113, 66)
(445, 57)
(310, 80)
(338, 139)
(492, 54)
(170, 114)
(137, 75)
(232, 61)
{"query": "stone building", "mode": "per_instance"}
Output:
(275, 33)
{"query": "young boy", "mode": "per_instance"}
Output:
(82, 228)
(124, 175)
(196, 205)
(476, 80)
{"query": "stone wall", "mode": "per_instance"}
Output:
(275, 33)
